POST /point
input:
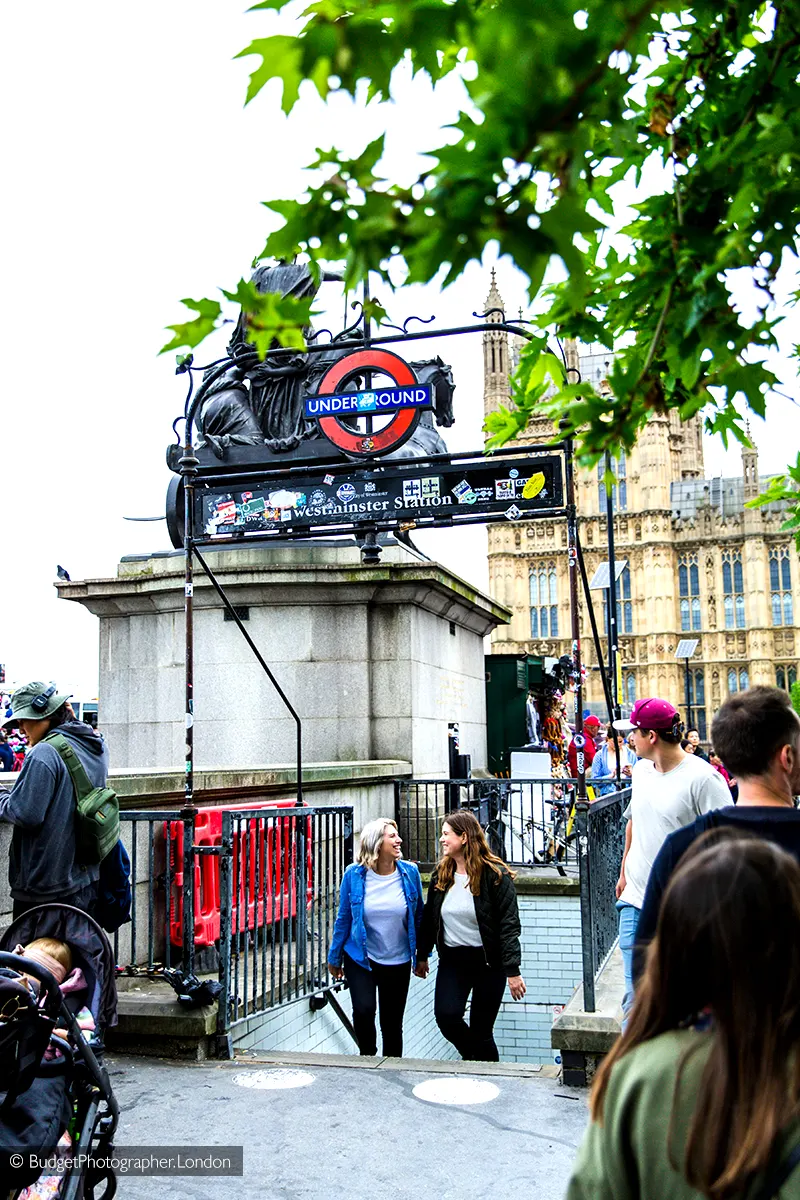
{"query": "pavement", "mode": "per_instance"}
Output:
(353, 1129)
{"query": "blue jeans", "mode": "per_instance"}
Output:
(628, 922)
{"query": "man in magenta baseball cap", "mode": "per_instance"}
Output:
(669, 789)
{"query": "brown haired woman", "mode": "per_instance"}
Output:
(700, 1096)
(471, 917)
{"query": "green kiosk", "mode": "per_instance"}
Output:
(509, 679)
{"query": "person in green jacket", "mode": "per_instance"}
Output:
(700, 1096)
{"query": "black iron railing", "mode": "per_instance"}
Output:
(157, 881)
(253, 903)
(528, 822)
(601, 841)
(280, 871)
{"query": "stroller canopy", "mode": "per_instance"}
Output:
(85, 937)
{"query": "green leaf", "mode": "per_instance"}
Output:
(191, 333)
(271, 320)
(281, 58)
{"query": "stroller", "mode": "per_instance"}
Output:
(51, 1087)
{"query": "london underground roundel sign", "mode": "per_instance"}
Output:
(402, 403)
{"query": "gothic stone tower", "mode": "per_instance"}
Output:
(699, 564)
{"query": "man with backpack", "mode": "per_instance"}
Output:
(52, 860)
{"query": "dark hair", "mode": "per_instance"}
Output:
(728, 940)
(684, 743)
(59, 717)
(693, 729)
(752, 727)
(670, 736)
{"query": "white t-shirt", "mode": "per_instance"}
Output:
(660, 804)
(386, 919)
(458, 914)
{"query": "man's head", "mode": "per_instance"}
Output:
(652, 721)
(693, 736)
(757, 733)
(591, 725)
(37, 708)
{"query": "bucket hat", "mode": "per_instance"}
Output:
(35, 702)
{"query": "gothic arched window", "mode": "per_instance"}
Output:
(780, 586)
(544, 602)
(733, 589)
(619, 489)
(630, 689)
(689, 591)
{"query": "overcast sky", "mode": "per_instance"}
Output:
(133, 178)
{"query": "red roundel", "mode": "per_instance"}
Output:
(402, 424)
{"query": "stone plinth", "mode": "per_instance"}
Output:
(584, 1038)
(376, 660)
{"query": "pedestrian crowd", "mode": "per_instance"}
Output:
(13, 747)
(700, 1095)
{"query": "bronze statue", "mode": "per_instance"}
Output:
(262, 404)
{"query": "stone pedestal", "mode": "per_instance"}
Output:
(377, 660)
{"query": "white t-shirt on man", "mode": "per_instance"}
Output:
(660, 804)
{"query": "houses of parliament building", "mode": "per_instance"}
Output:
(698, 563)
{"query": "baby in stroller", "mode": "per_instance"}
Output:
(57, 994)
(56, 957)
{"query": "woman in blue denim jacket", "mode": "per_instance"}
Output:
(374, 942)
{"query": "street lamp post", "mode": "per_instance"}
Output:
(686, 648)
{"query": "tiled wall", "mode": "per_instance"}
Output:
(551, 965)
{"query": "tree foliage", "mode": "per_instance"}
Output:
(698, 101)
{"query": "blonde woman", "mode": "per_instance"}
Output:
(374, 942)
(471, 916)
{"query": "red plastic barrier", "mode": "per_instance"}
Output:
(272, 854)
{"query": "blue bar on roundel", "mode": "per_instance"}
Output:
(380, 400)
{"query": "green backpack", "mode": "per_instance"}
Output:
(97, 808)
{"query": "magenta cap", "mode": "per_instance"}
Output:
(650, 714)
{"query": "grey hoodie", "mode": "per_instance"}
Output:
(41, 807)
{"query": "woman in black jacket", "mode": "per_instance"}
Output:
(471, 917)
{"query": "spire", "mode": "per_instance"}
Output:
(750, 465)
(495, 352)
(494, 299)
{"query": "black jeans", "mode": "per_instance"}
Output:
(385, 988)
(463, 969)
(85, 898)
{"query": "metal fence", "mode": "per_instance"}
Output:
(145, 944)
(532, 823)
(601, 841)
(280, 874)
(249, 895)
(528, 822)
